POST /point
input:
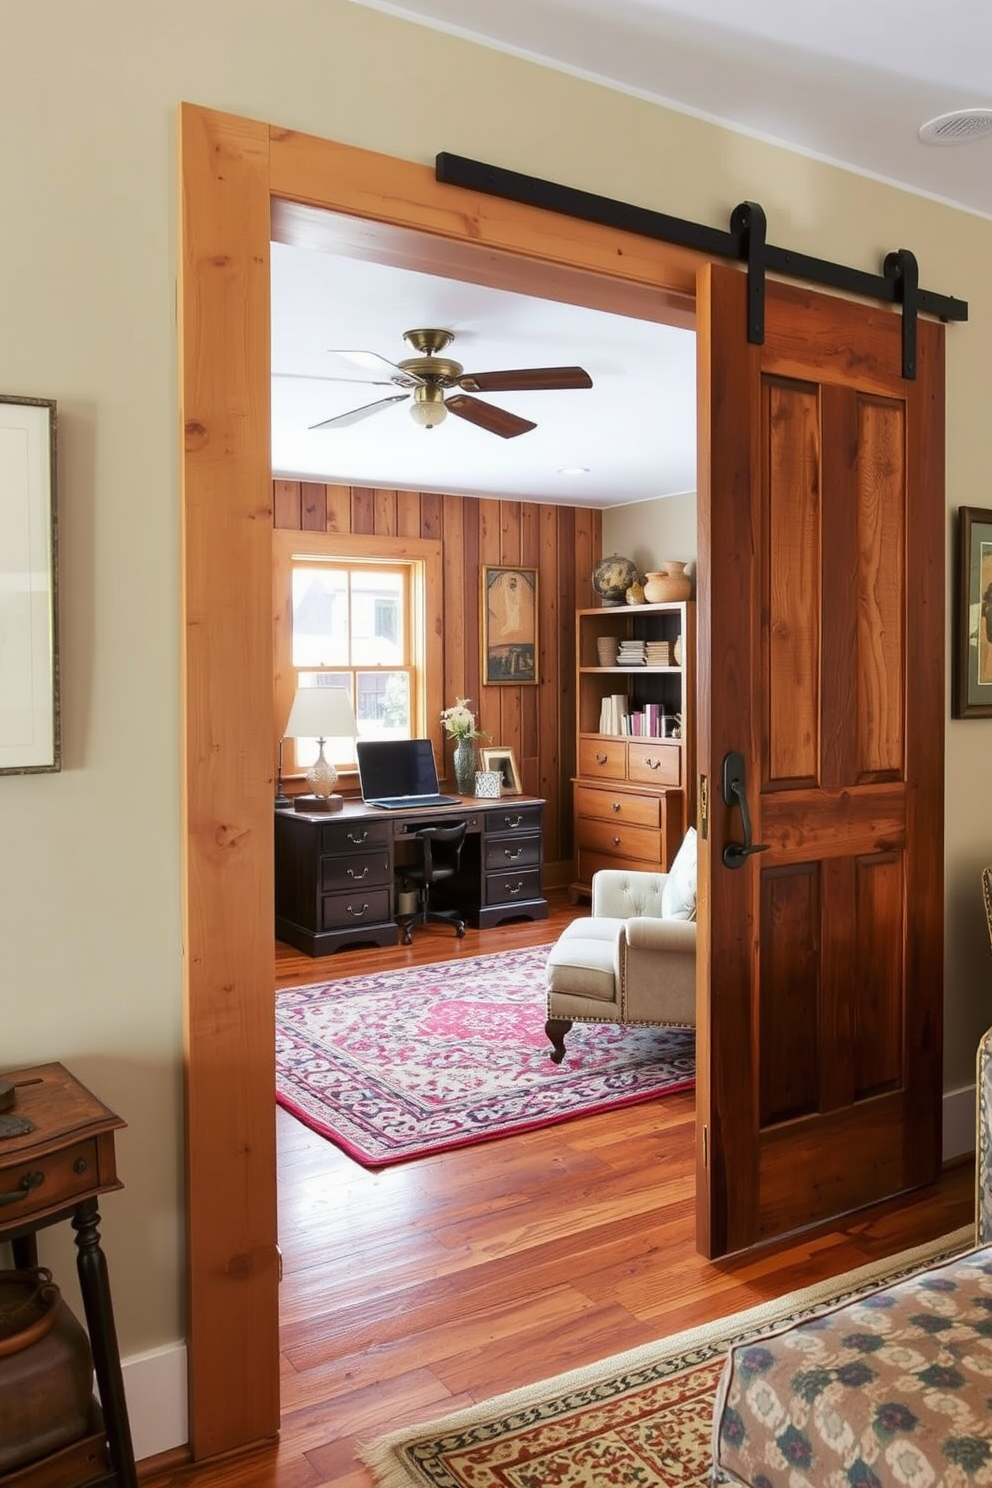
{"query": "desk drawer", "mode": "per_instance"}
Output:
(603, 759)
(348, 911)
(655, 764)
(504, 853)
(613, 805)
(508, 888)
(346, 837)
(360, 870)
(509, 819)
(47, 1182)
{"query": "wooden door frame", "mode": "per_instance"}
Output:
(242, 181)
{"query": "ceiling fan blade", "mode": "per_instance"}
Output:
(370, 361)
(322, 377)
(496, 420)
(340, 420)
(526, 379)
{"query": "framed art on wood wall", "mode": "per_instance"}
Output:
(973, 642)
(29, 674)
(509, 625)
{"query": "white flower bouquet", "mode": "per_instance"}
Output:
(459, 721)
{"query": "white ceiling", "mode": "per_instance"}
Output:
(850, 82)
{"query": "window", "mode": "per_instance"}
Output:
(350, 613)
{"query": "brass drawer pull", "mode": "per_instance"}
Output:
(616, 806)
(30, 1181)
(357, 913)
(512, 853)
(359, 876)
(357, 840)
(601, 758)
(510, 890)
(617, 841)
(516, 822)
(654, 764)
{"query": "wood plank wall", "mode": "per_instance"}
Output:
(562, 542)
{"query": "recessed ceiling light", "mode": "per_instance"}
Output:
(573, 470)
(957, 128)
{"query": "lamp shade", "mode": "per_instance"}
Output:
(321, 713)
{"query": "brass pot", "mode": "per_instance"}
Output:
(46, 1370)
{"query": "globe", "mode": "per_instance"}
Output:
(612, 577)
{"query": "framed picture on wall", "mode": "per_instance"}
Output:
(973, 620)
(503, 761)
(509, 625)
(29, 656)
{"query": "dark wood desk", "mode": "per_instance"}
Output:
(53, 1173)
(335, 873)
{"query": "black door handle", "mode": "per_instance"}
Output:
(736, 854)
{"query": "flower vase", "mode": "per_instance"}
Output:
(465, 767)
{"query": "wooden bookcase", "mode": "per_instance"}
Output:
(633, 787)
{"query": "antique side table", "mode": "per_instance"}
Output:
(56, 1156)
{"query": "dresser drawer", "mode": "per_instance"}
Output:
(644, 843)
(359, 870)
(603, 759)
(512, 819)
(509, 887)
(512, 852)
(50, 1181)
(346, 837)
(347, 911)
(655, 764)
(589, 862)
(613, 805)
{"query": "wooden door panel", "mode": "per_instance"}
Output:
(821, 513)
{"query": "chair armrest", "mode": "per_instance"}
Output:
(647, 933)
(618, 894)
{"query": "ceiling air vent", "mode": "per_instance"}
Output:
(958, 127)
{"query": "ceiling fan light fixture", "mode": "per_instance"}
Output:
(427, 408)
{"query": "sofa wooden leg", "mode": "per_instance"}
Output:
(556, 1029)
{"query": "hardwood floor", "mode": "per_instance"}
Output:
(423, 1288)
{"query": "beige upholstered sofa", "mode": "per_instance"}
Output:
(634, 959)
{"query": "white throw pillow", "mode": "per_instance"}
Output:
(678, 897)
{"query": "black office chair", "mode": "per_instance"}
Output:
(440, 857)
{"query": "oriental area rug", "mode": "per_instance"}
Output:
(406, 1063)
(642, 1418)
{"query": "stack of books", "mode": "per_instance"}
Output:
(631, 654)
(658, 653)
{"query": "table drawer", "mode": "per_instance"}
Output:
(512, 818)
(346, 911)
(603, 759)
(640, 811)
(655, 764)
(620, 840)
(345, 837)
(512, 852)
(47, 1182)
(506, 888)
(360, 870)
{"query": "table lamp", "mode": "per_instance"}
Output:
(321, 713)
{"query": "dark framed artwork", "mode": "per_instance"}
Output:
(973, 621)
(509, 625)
(29, 673)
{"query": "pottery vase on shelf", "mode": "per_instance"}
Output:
(670, 582)
(466, 765)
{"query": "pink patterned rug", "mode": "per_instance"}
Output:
(403, 1064)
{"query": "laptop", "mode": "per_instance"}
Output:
(399, 774)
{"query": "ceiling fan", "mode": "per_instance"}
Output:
(428, 376)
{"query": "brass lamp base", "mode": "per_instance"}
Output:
(319, 803)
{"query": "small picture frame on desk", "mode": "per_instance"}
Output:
(503, 761)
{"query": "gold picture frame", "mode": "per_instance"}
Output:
(972, 696)
(509, 625)
(504, 763)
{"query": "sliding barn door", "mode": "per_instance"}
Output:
(821, 713)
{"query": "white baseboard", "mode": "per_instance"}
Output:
(959, 1122)
(155, 1388)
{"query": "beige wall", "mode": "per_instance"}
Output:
(89, 858)
(649, 532)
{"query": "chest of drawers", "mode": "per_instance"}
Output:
(334, 882)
